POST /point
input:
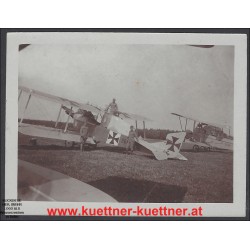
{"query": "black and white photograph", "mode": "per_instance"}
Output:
(128, 120)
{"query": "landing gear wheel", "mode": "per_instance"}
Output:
(69, 144)
(196, 148)
(33, 141)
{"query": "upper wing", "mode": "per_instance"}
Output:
(60, 100)
(134, 117)
(201, 121)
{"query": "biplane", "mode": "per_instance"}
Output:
(93, 125)
(206, 135)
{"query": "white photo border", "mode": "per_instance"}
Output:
(239, 41)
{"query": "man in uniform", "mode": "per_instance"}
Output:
(132, 136)
(113, 107)
(83, 132)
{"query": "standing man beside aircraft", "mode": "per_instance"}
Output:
(84, 132)
(132, 136)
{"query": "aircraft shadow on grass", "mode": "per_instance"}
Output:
(45, 147)
(141, 191)
(76, 147)
(117, 150)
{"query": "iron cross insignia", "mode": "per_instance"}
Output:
(173, 143)
(113, 138)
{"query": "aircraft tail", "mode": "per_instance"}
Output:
(169, 149)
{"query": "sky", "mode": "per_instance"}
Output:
(150, 80)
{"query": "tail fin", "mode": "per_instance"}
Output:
(173, 145)
(169, 149)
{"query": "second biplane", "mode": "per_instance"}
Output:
(92, 125)
(206, 135)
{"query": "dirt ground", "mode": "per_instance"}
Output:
(207, 177)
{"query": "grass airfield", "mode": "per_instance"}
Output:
(207, 177)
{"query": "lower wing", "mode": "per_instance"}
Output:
(51, 133)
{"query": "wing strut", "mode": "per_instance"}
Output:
(186, 125)
(19, 94)
(26, 106)
(144, 131)
(180, 123)
(67, 123)
(194, 125)
(58, 116)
